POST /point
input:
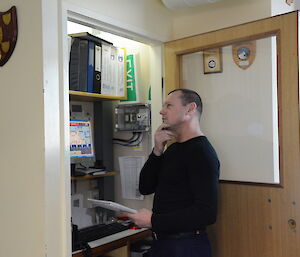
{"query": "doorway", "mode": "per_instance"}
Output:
(256, 218)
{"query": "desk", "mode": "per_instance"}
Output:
(116, 245)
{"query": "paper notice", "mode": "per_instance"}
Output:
(130, 168)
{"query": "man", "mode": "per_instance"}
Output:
(184, 179)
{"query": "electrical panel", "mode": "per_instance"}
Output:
(81, 111)
(133, 117)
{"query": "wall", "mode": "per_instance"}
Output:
(279, 7)
(240, 112)
(149, 73)
(148, 17)
(142, 52)
(22, 129)
(153, 18)
(33, 210)
(226, 13)
(209, 17)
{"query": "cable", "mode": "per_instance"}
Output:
(132, 140)
(141, 136)
(127, 140)
(132, 143)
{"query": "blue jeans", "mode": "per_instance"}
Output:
(198, 246)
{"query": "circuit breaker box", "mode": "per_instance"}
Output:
(133, 117)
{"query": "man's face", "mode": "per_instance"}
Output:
(173, 112)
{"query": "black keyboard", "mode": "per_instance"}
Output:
(92, 233)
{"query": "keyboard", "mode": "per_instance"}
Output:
(92, 233)
(88, 171)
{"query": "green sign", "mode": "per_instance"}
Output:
(131, 79)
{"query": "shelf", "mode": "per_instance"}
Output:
(107, 174)
(92, 97)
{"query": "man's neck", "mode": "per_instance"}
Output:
(186, 137)
(188, 131)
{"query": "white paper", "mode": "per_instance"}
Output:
(79, 212)
(113, 70)
(130, 168)
(106, 86)
(98, 58)
(120, 74)
(111, 205)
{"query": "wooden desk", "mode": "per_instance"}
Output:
(116, 245)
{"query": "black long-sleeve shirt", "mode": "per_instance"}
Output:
(185, 182)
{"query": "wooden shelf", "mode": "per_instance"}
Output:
(107, 174)
(92, 97)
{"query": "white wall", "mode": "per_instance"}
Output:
(239, 112)
(142, 53)
(151, 74)
(149, 17)
(22, 138)
(153, 18)
(32, 203)
(209, 17)
(279, 7)
(226, 13)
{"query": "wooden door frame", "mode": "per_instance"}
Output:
(253, 220)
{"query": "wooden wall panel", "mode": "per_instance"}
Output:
(253, 219)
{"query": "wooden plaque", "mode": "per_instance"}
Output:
(8, 34)
(244, 53)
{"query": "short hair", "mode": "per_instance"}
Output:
(189, 96)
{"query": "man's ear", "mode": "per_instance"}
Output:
(192, 107)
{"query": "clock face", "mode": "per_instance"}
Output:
(212, 64)
(212, 60)
(243, 53)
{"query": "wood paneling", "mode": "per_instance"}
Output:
(120, 252)
(253, 220)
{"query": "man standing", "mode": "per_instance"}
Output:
(184, 179)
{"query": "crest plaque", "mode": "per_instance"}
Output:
(244, 54)
(8, 34)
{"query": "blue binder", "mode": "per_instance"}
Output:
(90, 68)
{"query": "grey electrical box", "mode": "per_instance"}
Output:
(133, 117)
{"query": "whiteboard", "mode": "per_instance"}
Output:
(240, 115)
